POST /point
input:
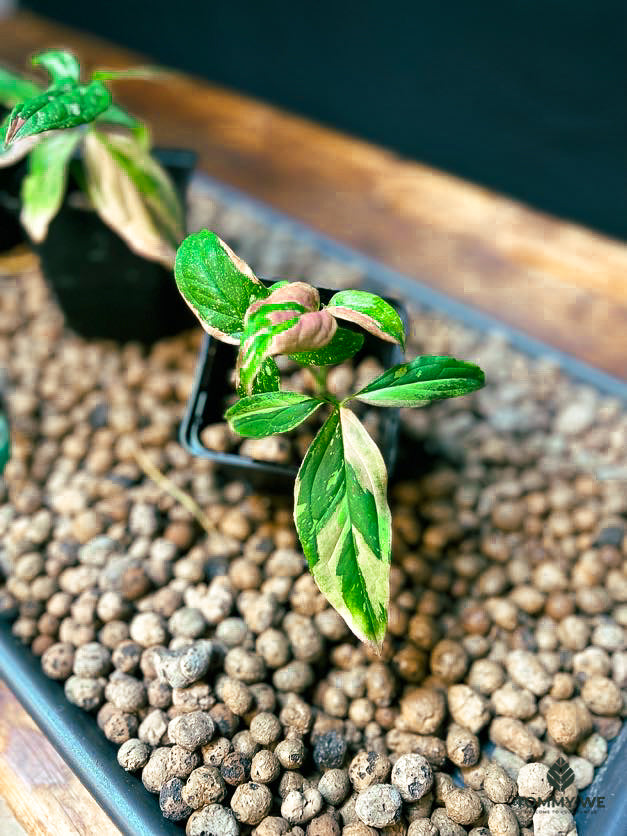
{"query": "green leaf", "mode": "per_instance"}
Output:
(344, 523)
(63, 106)
(268, 379)
(133, 195)
(15, 89)
(258, 416)
(116, 115)
(146, 73)
(278, 285)
(44, 186)
(370, 312)
(216, 284)
(5, 441)
(59, 64)
(421, 381)
(344, 345)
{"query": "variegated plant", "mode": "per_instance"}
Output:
(341, 510)
(125, 185)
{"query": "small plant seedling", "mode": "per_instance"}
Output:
(125, 185)
(340, 496)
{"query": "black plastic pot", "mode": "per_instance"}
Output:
(103, 288)
(212, 386)
(11, 232)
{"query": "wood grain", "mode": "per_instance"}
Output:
(555, 280)
(44, 795)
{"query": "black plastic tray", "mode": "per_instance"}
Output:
(211, 386)
(81, 744)
(75, 734)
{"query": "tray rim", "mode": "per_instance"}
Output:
(75, 734)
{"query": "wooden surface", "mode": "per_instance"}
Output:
(557, 281)
(43, 795)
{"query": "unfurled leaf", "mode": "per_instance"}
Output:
(258, 416)
(59, 64)
(66, 105)
(279, 328)
(44, 186)
(421, 381)
(152, 181)
(344, 345)
(15, 89)
(5, 441)
(370, 312)
(216, 284)
(344, 523)
(133, 195)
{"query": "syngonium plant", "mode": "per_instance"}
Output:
(123, 182)
(340, 496)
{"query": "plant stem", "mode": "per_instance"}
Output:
(319, 373)
(169, 487)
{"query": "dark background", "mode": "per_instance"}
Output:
(526, 96)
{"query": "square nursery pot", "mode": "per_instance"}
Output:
(11, 231)
(103, 288)
(212, 386)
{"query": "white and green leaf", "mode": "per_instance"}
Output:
(63, 106)
(60, 64)
(344, 523)
(422, 380)
(152, 182)
(43, 188)
(133, 195)
(216, 284)
(370, 312)
(258, 416)
(344, 345)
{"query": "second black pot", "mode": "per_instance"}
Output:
(104, 289)
(212, 386)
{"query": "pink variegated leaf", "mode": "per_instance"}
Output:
(279, 328)
(304, 297)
